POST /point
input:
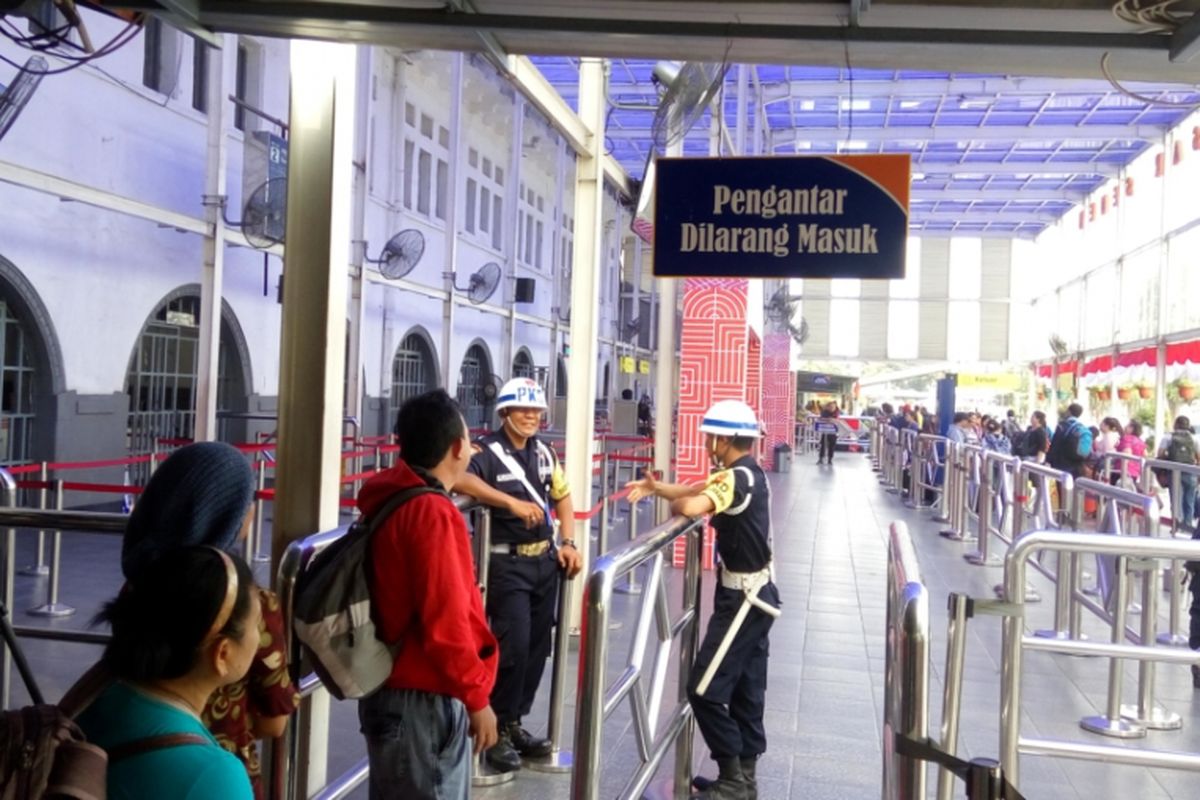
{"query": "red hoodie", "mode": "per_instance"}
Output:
(424, 593)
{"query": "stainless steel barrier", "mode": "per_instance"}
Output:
(597, 700)
(906, 668)
(875, 453)
(929, 461)
(13, 518)
(969, 460)
(1042, 501)
(1176, 575)
(1014, 643)
(995, 505)
(908, 465)
(287, 767)
(889, 440)
(1119, 464)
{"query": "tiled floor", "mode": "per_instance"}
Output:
(826, 672)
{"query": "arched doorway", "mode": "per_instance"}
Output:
(161, 379)
(474, 386)
(31, 371)
(414, 370)
(522, 366)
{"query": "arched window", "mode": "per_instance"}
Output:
(413, 370)
(19, 408)
(522, 366)
(161, 381)
(474, 378)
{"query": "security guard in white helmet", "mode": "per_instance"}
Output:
(728, 684)
(520, 477)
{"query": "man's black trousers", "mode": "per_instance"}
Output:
(522, 599)
(730, 713)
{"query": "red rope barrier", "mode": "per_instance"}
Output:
(358, 476)
(24, 469)
(112, 462)
(594, 510)
(101, 487)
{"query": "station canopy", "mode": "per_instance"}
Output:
(1013, 111)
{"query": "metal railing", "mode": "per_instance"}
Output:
(598, 700)
(995, 501)
(928, 463)
(1122, 550)
(1175, 471)
(906, 670)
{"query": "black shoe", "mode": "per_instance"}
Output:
(526, 743)
(731, 784)
(502, 756)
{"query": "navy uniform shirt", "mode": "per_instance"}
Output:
(542, 471)
(742, 515)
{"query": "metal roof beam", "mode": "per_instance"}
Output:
(985, 234)
(966, 133)
(1031, 217)
(994, 195)
(1064, 168)
(969, 88)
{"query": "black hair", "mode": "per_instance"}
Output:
(1182, 423)
(1111, 423)
(960, 416)
(627, 394)
(741, 442)
(1040, 416)
(427, 426)
(1075, 410)
(1135, 427)
(159, 624)
(887, 408)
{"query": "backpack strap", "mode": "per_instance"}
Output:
(140, 747)
(394, 502)
(85, 690)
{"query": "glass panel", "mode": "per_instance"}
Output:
(497, 214)
(408, 173)
(424, 178)
(469, 216)
(443, 188)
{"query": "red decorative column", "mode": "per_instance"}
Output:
(778, 394)
(713, 358)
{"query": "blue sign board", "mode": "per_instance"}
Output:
(782, 217)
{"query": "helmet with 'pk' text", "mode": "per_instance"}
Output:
(731, 418)
(521, 393)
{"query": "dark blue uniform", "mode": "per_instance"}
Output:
(730, 712)
(522, 591)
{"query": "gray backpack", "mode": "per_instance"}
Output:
(331, 612)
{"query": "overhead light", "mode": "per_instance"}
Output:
(975, 102)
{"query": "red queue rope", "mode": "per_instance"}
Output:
(594, 510)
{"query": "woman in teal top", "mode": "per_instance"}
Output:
(189, 627)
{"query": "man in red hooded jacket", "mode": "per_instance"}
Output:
(424, 596)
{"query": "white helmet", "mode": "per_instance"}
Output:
(730, 418)
(521, 393)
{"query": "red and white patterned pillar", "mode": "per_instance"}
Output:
(779, 394)
(714, 350)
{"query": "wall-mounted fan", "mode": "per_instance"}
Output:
(401, 254)
(1058, 345)
(264, 217)
(781, 311)
(482, 283)
(689, 89)
(631, 329)
(14, 96)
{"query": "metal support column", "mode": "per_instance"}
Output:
(355, 390)
(212, 273)
(585, 289)
(449, 374)
(512, 224)
(312, 349)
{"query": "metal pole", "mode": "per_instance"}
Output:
(602, 541)
(985, 780)
(631, 585)
(593, 656)
(559, 760)
(688, 645)
(1145, 713)
(9, 488)
(39, 568)
(52, 607)
(260, 534)
(956, 652)
(1110, 723)
(483, 544)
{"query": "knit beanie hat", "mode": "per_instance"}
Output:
(198, 496)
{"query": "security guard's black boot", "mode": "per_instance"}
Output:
(730, 783)
(502, 756)
(749, 773)
(526, 743)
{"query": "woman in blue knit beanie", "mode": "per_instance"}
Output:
(203, 494)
